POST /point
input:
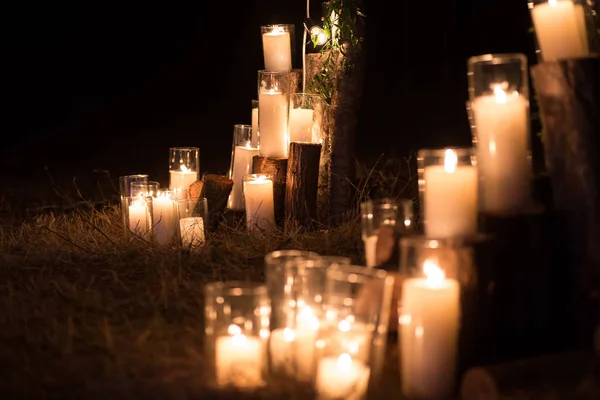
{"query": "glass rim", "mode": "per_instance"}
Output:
(184, 148)
(134, 176)
(235, 288)
(251, 177)
(276, 25)
(423, 241)
(367, 206)
(439, 151)
(337, 270)
(331, 258)
(267, 72)
(496, 58)
(274, 255)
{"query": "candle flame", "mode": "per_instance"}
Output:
(248, 144)
(344, 362)
(500, 93)
(234, 330)
(184, 168)
(344, 326)
(288, 335)
(552, 3)
(261, 178)
(450, 160)
(435, 275)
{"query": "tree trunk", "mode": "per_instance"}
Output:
(277, 168)
(216, 190)
(296, 81)
(302, 183)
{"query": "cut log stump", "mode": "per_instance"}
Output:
(216, 190)
(277, 168)
(302, 183)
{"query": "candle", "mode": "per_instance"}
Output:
(192, 231)
(255, 127)
(242, 164)
(238, 360)
(428, 334)
(371, 250)
(260, 209)
(450, 199)
(273, 123)
(560, 29)
(502, 127)
(277, 50)
(163, 218)
(182, 179)
(301, 125)
(341, 378)
(138, 216)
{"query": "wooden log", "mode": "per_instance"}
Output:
(277, 168)
(527, 376)
(216, 190)
(568, 94)
(302, 183)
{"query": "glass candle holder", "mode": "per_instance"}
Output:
(306, 117)
(564, 29)
(241, 164)
(184, 166)
(236, 333)
(278, 45)
(258, 197)
(429, 315)
(149, 188)
(448, 192)
(394, 216)
(335, 260)
(499, 104)
(273, 113)
(351, 344)
(192, 219)
(164, 217)
(255, 135)
(125, 191)
(138, 215)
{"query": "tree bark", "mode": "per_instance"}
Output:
(296, 81)
(302, 183)
(216, 190)
(277, 168)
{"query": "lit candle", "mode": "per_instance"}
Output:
(301, 125)
(192, 231)
(560, 29)
(163, 218)
(450, 199)
(502, 128)
(182, 179)
(138, 216)
(273, 123)
(260, 209)
(242, 164)
(341, 378)
(277, 49)
(429, 321)
(371, 250)
(255, 127)
(238, 360)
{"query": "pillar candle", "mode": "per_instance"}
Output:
(242, 165)
(371, 250)
(429, 321)
(341, 378)
(138, 216)
(260, 211)
(255, 127)
(292, 352)
(277, 50)
(163, 218)
(273, 123)
(560, 29)
(192, 231)
(182, 179)
(450, 199)
(238, 361)
(502, 128)
(301, 125)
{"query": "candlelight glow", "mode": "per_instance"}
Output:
(184, 168)
(499, 93)
(450, 160)
(552, 3)
(435, 275)
(344, 362)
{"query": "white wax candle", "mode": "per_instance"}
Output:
(429, 321)
(277, 50)
(242, 165)
(273, 123)
(341, 378)
(138, 216)
(254, 127)
(192, 231)
(292, 352)
(371, 250)
(163, 218)
(450, 199)
(502, 127)
(301, 125)
(560, 29)
(260, 209)
(182, 179)
(239, 361)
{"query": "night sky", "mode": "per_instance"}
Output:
(114, 85)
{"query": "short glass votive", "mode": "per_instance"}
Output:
(236, 333)
(138, 215)
(278, 46)
(448, 192)
(306, 118)
(350, 348)
(564, 29)
(255, 134)
(125, 191)
(499, 107)
(430, 314)
(192, 221)
(260, 208)
(184, 165)
(164, 217)
(388, 217)
(242, 154)
(273, 113)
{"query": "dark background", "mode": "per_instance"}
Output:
(114, 85)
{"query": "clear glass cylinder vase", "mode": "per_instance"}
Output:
(242, 154)
(306, 118)
(273, 113)
(278, 46)
(184, 166)
(259, 202)
(164, 217)
(191, 221)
